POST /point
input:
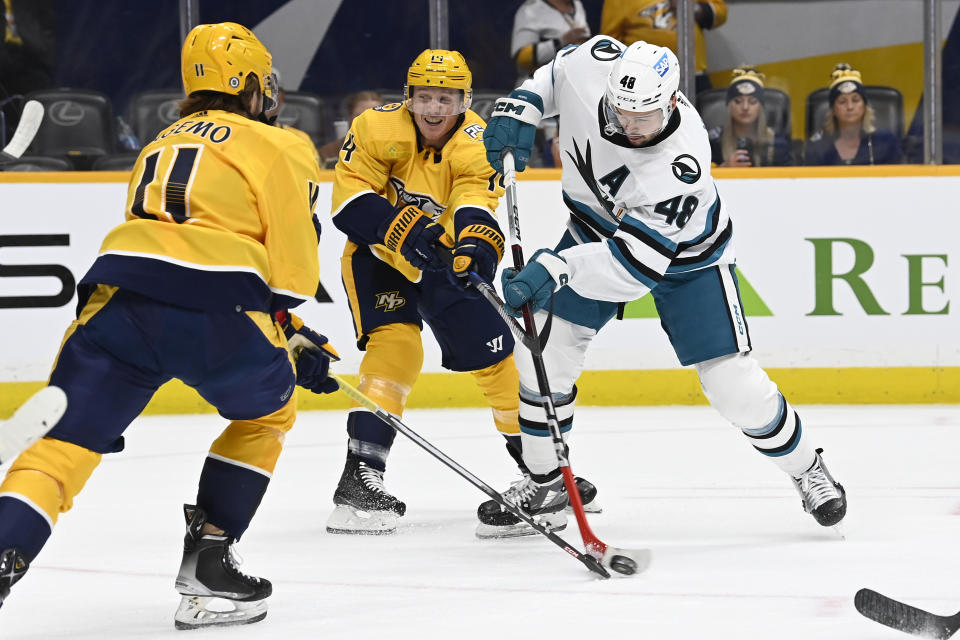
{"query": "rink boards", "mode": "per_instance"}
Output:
(847, 279)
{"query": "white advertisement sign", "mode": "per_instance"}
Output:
(836, 272)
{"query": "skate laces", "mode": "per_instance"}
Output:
(372, 478)
(523, 491)
(817, 487)
(233, 560)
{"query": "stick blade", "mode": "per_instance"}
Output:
(31, 421)
(30, 120)
(903, 617)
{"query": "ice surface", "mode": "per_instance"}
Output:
(734, 554)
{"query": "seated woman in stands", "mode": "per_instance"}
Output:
(746, 140)
(849, 134)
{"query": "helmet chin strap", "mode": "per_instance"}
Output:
(270, 120)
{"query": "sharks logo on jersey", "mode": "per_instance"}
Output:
(605, 50)
(421, 201)
(584, 165)
(686, 168)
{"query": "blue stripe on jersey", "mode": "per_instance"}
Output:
(664, 246)
(708, 257)
(604, 226)
(639, 271)
(713, 218)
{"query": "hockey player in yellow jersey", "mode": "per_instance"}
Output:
(220, 240)
(411, 177)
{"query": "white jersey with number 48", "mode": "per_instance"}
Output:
(637, 212)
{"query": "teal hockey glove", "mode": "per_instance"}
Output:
(546, 272)
(512, 128)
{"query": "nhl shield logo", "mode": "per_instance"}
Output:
(686, 169)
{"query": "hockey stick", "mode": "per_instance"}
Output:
(903, 617)
(31, 421)
(625, 561)
(490, 294)
(588, 560)
(30, 120)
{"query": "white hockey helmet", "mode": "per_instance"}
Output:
(644, 78)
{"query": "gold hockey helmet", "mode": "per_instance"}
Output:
(443, 69)
(219, 57)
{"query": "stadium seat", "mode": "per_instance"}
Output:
(152, 111)
(37, 163)
(887, 103)
(307, 112)
(78, 125)
(712, 105)
(116, 162)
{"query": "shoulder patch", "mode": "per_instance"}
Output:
(605, 50)
(393, 106)
(474, 130)
(686, 169)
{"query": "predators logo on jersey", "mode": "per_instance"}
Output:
(421, 201)
(382, 155)
(390, 301)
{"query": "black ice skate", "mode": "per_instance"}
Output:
(823, 497)
(209, 572)
(363, 504)
(12, 567)
(545, 500)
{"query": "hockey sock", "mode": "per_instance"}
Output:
(370, 438)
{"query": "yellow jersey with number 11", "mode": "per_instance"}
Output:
(220, 215)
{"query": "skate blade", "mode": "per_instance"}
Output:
(349, 521)
(32, 421)
(552, 521)
(591, 507)
(197, 612)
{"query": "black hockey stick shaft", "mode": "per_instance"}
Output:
(903, 617)
(590, 540)
(589, 561)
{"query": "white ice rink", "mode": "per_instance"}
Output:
(734, 556)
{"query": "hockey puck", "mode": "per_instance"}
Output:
(624, 565)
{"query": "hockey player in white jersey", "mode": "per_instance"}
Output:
(645, 217)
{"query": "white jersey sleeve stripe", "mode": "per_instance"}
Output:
(646, 235)
(638, 270)
(709, 255)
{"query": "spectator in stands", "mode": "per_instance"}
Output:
(27, 56)
(655, 21)
(746, 140)
(353, 105)
(541, 28)
(849, 134)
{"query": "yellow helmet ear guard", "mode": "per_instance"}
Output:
(219, 57)
(442, 69)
